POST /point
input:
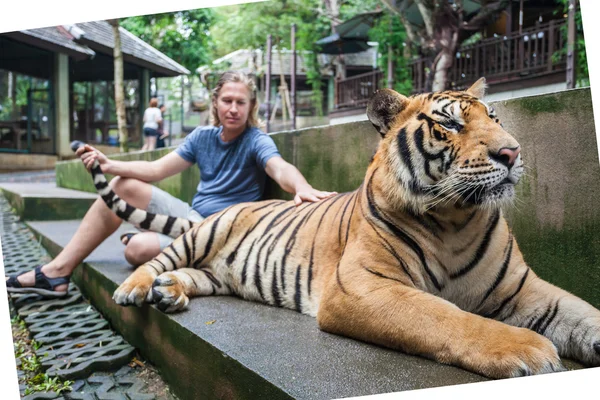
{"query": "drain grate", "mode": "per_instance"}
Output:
(75, 339)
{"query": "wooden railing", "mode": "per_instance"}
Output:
(501, 59)
(357, 90)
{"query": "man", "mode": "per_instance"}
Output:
(233, 157)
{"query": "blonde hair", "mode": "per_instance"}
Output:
(236, 77)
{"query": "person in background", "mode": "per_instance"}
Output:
(152, 119)
(162, 132)
(234, 157)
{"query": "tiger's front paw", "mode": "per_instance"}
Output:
(519, 352)
(135, 290)
(168, 293)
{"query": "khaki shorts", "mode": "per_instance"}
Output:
(162, 202)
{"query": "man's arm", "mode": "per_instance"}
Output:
(291, 180)
(147, 171)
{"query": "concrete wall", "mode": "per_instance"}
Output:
(557, 216)
(25, 162)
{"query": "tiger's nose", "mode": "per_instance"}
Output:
(507, 156)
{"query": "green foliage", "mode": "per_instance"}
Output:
(389, 31)
(247, 26)
(34, 379)
(582, 73)
(181, 35)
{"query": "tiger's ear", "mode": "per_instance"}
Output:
(478, 89)
(383, 108)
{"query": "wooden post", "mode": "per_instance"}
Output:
(390, 71)
(571, 44)
(293, 83)
(268, 83)
(521, 38)
(550, 44)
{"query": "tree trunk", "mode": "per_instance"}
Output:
(119, 89)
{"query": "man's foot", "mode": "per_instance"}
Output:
(38, 282)
(126, 237)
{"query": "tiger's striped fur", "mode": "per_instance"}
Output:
(419, 258)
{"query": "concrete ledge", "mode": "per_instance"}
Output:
(45, 201)
(224, 347)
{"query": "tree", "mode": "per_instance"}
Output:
(445, 26)
(182, 36)
(247, 26)
(119, 89)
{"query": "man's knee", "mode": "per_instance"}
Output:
(133, 191)
(142, 248)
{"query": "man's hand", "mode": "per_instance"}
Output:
(88, 155)
(308, 193)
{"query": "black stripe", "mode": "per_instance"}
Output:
(502, 273)
(536, 322)
(547, 323)
(194, 236)
(233, 254)
(498, 310)
(145, 224)
(342, 220)
(169, 225)
(405, 151)
(379, 274)
(298, 293)
(174, 251)
(274, 289)
(209, 242)
(266, 205)
(481, 250)
(101, 185)
(188, 251)
(212, 278)
(350, 218)
(233, 222)
(124, 215)
(337, 276)
(400, 234)
(160, 262)
(170, 259)
(258, 281)
(246, 262)
(312, 250)
(391, 250)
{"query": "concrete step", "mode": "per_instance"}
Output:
(224, 347)
(46, 201)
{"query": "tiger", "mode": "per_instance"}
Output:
(418, 259)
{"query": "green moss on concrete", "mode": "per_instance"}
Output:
(554, 103)
(73, 175)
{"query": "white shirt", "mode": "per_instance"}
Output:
(152, 116)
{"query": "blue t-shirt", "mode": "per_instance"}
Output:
(230, 172)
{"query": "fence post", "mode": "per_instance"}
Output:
(293, 83)
(571, 45)
(550, 44)
(268, 84)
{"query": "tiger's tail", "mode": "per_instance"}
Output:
(171, 226)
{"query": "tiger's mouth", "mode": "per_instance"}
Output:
(503, 191)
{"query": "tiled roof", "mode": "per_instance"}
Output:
(100, 32)
(83, 40)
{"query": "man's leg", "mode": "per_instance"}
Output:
(97, 224)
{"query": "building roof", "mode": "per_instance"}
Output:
(253, 61)
(83, 40)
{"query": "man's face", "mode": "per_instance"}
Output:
(233, 106)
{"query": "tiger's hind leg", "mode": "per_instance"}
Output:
(172, 290)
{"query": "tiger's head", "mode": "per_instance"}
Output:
(444, 149)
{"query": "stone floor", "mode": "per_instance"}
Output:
(76, 342)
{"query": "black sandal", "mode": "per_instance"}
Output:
(43, 286)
